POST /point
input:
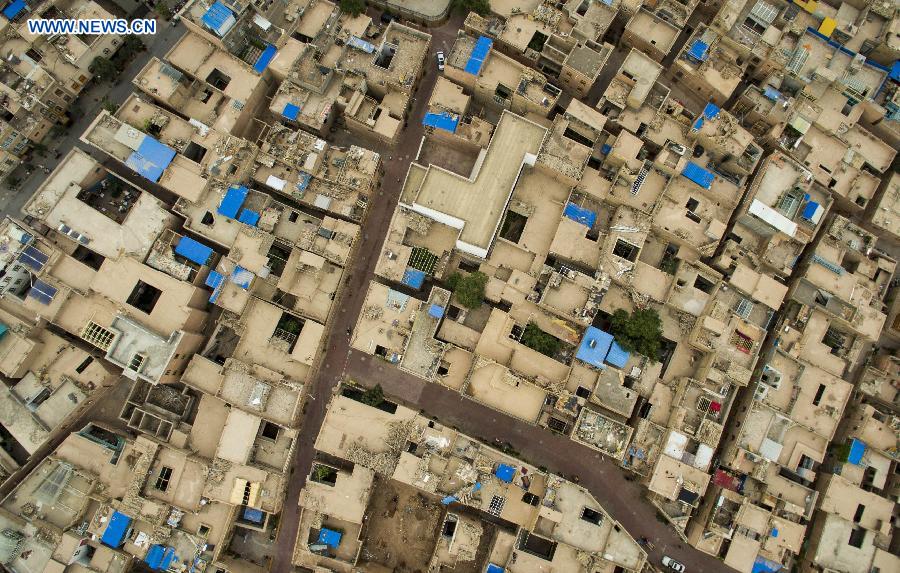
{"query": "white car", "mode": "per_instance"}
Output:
(440, 60)
(673, 565)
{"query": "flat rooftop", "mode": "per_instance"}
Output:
(475, 206)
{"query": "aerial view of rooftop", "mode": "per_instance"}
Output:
(449, 286)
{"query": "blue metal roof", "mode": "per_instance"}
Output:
(159, 557)
(809, 210)
(414, 278)
(232, 201)
(291, 111)
(895, 71)
(330, 537)
(219, 18)
(594, 347)
(193, 250)
(698, 175)
(491, 568)
(214, 279)
(264, 58)
(249, 217)
(14, 8)
(361, 44)
(479, 53)
(150, 159)
(698, 50)
(253, 515)
(436, 311)
(580, 215)
(505, 472)
(617, 356)
(763, 565)
(115, 531)
(857, 449)
(444, 120)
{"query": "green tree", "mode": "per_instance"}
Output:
(536, 339)
(482, 7)
(103, 68)
(373, 396)
(640, 331)
(469, 289)
(353, 7)
(109, 105)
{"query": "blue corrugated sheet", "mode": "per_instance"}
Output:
(857, 449)
(479, 54)
(291, 111)
(763, 565)
(193, 250)
(159, 557)
(444, 120)
(115, 531)
(895, 71)
(711, 110)
(580, 215)
(242, 277)
(491, 568)
(232, 201)
(413, 278)
(594, 346)
(14, 8)
(249, 217)
(214, 279)
(617, 356)
(150, 159)
(698, 50)
(505, 472)
(698, 175)
(263, 61)
(330, 537)
(361, 44)
(436, 311)
(219, 18)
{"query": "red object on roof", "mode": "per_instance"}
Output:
(715, 407)
(726, 480)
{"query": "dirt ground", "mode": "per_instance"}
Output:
(402, 528)
(450, 158)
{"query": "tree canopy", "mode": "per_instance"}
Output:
(469, 289)
(536, 339)
(353, 7)
(640, 331)
(482, 7)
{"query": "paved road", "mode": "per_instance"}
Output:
(84, 110)
(622, 499)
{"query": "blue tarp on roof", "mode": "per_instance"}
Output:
(303, 181)
(479, 53)
(698, 50)
(763, 565)
(150, 159)
(253, 515)
(291, 111)
(448, 500)
(491, 568)
(414, 278)
(242, 277)
(219, 18)
(771, 93)
(159, 557)
(594, 346)
(232, 201)
(580, 215)
(330, 538)
(605, 149)
(617, 356)
(14, 8)
(3, 330)
(857, 449)
(115, 531)
(505, 472)
(895, 71)
(193, 250)
(711, 110)
(436, 311)
(263, 61)
(444, 120)
(810, 210)
(698, 175)
(249, 217)
(361, 44)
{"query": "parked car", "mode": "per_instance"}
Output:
(387, 17)
(440, 60)
(673, 565)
